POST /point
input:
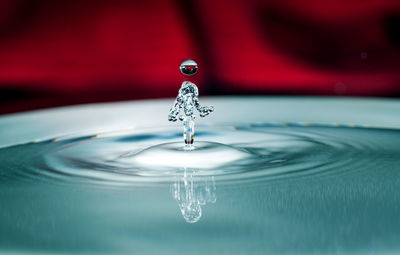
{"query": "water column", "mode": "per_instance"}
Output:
(188, 133)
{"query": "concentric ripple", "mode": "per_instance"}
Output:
(229, 153)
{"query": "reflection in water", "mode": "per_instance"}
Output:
(191, 192)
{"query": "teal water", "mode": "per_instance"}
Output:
(246, 189)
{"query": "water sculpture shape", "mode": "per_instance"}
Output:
(188, 100)
(191, 194)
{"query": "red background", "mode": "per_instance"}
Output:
(79, 51)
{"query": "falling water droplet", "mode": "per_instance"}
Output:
(189, 67)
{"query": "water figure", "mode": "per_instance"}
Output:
(187, 100)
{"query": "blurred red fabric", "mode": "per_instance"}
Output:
(65, 52)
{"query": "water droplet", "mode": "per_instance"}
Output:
(189, 67)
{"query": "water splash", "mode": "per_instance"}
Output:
(187, 100)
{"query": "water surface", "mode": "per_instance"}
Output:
(254, 188)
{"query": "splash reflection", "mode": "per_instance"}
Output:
(192, 192)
